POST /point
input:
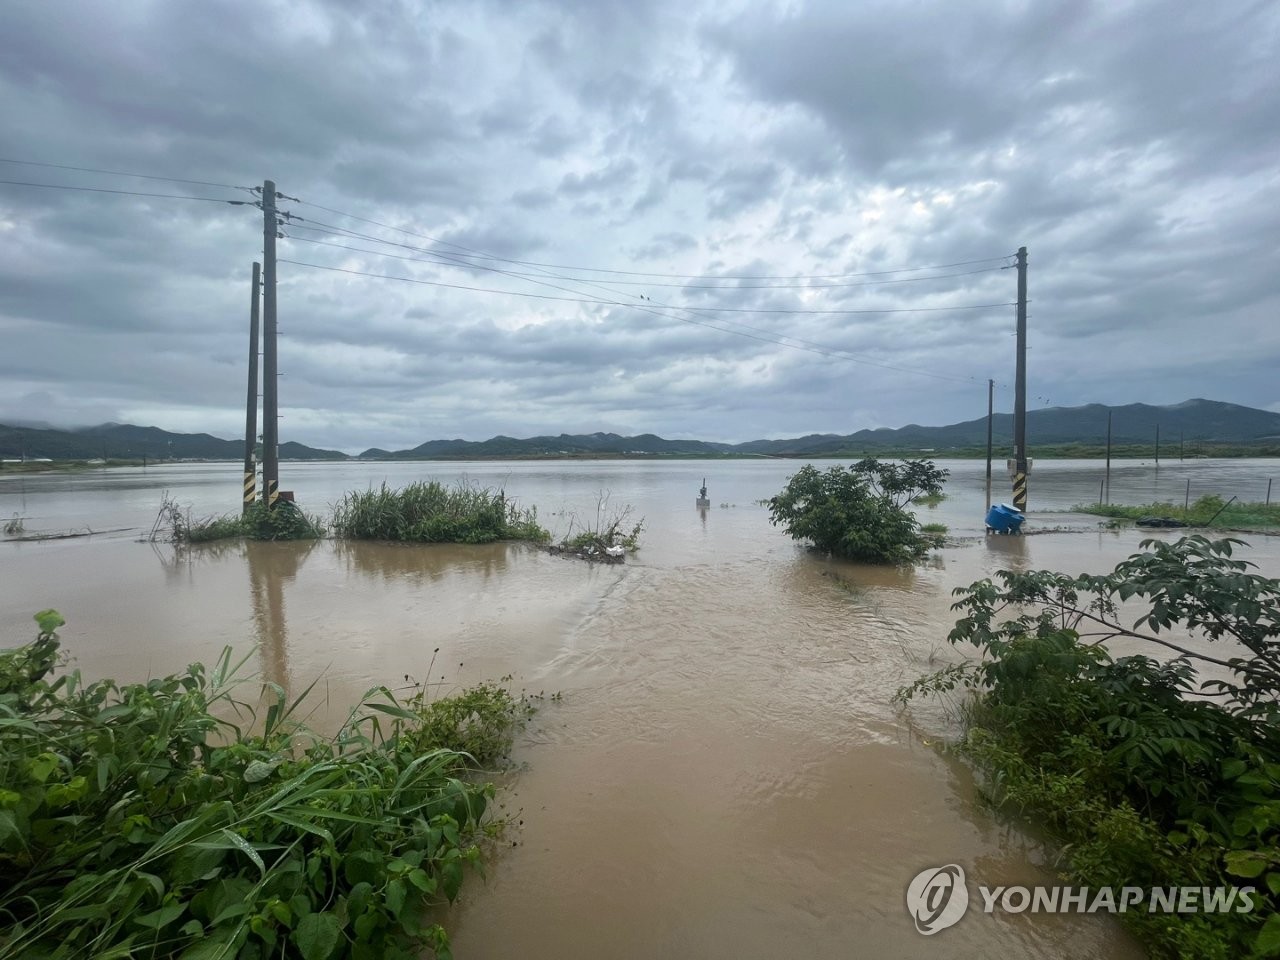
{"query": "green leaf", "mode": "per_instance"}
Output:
(48, 620)
(393, 897)
(1245, 863)
(259, 770)
(317, 936)
(1268, 942)
(241, 844)
(209, 950)
(162, 917)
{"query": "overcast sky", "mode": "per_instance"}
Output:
(1133, 148)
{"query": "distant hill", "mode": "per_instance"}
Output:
(563, 445)
(126, 442)
(1198, 421)
(1205, 421)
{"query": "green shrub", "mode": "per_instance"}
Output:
(428, 512)
(1147, 774)
(136, 821)
(859, 512)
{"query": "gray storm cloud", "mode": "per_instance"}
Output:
(1133, 148)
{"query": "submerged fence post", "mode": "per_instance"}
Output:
(1268, 503)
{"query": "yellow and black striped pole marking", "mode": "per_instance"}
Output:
(272, 493)
(1020, 491)
(250, 489)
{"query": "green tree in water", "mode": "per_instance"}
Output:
(859, 512)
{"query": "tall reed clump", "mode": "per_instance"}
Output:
(429, 512)
(136, 821)
(284, 521)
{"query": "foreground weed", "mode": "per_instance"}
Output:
(135, 821)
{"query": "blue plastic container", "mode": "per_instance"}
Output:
(1003, 518)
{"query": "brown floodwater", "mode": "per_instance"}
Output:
(725, 775)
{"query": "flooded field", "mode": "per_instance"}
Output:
(725, 775)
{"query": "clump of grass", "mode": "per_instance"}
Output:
(284, 521)
(136, 820)
(934, 533)
(213, 528)
(930, 499)
(429, 512)
(13, 526)
(1209, 509)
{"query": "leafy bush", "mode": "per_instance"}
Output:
(859, 512)
(432, 513)
(1148, 774)
(135, 821)
(480, 722)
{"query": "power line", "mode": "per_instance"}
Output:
(128, 193)
(480, 255)
(458, 260)
(616, 303)
(122, 173)
(834, 354)
(651, 307)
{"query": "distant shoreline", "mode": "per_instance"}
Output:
(10, 468)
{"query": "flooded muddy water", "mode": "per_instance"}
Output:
(725, 775)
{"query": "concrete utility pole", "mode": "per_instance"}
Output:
(270, 372)
(1157, 444)
(251, 403)
(1020, 391)
(991, 413)
(1108, 480)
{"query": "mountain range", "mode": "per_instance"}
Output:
(123, 441)
(1199, 421)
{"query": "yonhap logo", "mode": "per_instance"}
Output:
(937, 898)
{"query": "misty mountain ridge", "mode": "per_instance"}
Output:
(1206, 421)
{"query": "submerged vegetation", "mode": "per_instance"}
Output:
(136, 820)
(1145, 772)
(1209, 510)
(423, 512)
(429, 512)
(608, 538)
(285, 521)
(860, 512)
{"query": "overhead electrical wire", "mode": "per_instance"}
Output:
(834, 354)
(646, 304)
(460, 259)
(128, 193)
(764, 310)
(464, 261)
(480, 255)
(122, 173)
